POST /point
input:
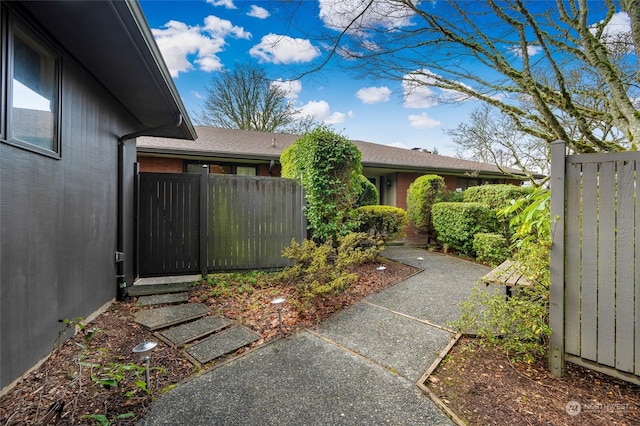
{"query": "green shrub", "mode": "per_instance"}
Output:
(421, 195)
(320, 269)
(366, 192)
(385, 222)
(457, 223)
(450, 197)
(497, 197)
(491, 249)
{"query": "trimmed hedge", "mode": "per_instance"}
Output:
(497, 197)
(491, 249)
(385, 222)
(457, 223)
(367, 193)
(421, 195)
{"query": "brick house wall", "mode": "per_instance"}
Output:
(160, 164)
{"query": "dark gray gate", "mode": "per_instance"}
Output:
(189, 223)
(168, 224)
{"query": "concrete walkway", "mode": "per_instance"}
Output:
(360, 367)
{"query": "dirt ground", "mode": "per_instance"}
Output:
(483, 387)
(94, 378)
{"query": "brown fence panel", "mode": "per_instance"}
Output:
(595, 299)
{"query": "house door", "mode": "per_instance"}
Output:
(168, 224)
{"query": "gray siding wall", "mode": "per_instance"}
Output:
(58, 224)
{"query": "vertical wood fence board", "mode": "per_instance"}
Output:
(589, 271)
(606, 264)
(573, 262)
(625, 267)
(557, 205)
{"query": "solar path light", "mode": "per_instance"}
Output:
(144, 351)
(381, 270)
(278, 304)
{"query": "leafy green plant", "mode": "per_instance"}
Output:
(498, 197)
(384, 222)
(491, 249)
(457, 223)
(103, 420)
(519, 324)
(421, 195)
(366, 192)
(320, 269)
(328, 165)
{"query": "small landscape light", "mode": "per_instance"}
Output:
(420, 259)
(381, 270)
(278, 304)
(144, 350)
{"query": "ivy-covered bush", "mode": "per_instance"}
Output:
(421, 195)
(366, 192)
(497, 197)
(491, 249)
(328, 165)
(320, 269)
(457, 223)
(385, 222)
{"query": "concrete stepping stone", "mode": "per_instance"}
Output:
(155, 319)
(163, 299)
(190, 331)
(147, 289)
(222, 344)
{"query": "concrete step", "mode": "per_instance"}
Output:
(163, 285)
(163, 299)
(149, 289)
(190, 331)
(222, 343)
(155, 319)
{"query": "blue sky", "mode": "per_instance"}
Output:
(199, 39)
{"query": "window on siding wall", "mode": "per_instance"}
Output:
(34, 85)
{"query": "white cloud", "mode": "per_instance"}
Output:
(417, 93)
(532, 50)
(177, 41)
(419, 90)
(197, 94)
(321, 111)
(619, 25)
(292, 88)
(281, 49)
(338, 14)
(226, 3)
(423, 121)
(258, 12)
(373, 95)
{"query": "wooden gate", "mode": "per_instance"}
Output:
(595, 267)
(189, 223)
(168, 224)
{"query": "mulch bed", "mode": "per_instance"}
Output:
(483, 387)
(71, 376)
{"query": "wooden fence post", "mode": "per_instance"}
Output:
(204, 219)
(556, 296)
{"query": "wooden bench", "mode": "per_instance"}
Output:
(508, 274)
